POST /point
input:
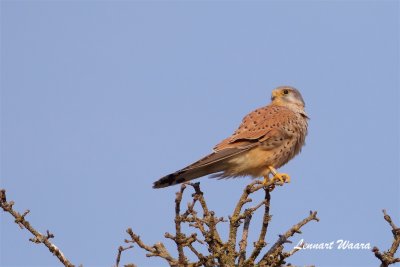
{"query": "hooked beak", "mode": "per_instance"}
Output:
(274, 95)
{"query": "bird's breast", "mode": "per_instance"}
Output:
(253, 163)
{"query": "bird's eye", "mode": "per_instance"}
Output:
(286, 92)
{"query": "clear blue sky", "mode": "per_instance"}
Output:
(101, 98)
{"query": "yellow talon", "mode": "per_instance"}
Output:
(281, 177)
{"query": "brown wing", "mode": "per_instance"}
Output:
(212, 163)
(219, 156)
(261, 124)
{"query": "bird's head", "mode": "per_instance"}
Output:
(287, 96)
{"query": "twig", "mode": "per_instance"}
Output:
(38, 237)
(274, 255)
(235, 219)
(388, 257)
(157, 249)
(293, 251)
(260, 244)
(179, 237)
(243, 241)
(120, 250)
(211, 236)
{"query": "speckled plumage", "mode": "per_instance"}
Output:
(268, 136)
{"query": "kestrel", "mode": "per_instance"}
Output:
(267, 139)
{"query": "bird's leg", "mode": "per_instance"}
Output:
(282, 177)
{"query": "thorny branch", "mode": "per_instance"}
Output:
(37, 236)
(222, 253)
(388, 257)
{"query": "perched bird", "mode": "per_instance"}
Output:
(267, 138)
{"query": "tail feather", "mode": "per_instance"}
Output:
(212, 163)
(186, 175)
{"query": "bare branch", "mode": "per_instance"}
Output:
(38, 237)
(120, 250)
(243, 241)
(179, 237)
(157, 249)
(260, 244)
(222, 253)
(274, 255)
(388, 257)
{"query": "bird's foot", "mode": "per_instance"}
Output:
(268, 183)
(281, 178)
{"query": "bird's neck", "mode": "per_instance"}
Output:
(296, 108)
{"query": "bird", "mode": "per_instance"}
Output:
(267, 138)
